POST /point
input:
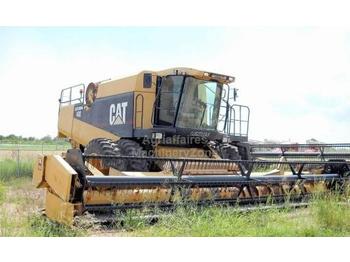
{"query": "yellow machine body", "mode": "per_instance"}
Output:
(81, 133)
(60, 181)
(109, 121)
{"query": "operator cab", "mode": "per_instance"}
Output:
(203, 107)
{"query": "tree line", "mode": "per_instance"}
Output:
(20, 139)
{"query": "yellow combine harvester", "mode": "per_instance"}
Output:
(156, 138)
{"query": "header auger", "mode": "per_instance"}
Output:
(158, 139)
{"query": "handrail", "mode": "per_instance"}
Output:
(137, 111)
(70, 100)
(235, 116)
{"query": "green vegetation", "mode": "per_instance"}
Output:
(35, 226)
(30, 140)
(40, 226)
(19, 210)
(2, 193)
(10, 169)
(326, 216)
(20, 215)
(34, 147)
(332, 214)
(46, 143)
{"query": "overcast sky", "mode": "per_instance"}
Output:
(295, 80)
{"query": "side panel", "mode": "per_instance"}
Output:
(65, 120)
(59, 210)
(123, 85)
(83, 132)
(59, 176)
(128, 84)
(113, 114)
(39, 173)
(51, 171)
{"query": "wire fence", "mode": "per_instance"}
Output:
(33, 146)
(17, 158)
(14, 150)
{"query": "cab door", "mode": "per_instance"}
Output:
(168, 97)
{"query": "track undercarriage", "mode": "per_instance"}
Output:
(81, 183)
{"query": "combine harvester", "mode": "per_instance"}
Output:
(156, 139)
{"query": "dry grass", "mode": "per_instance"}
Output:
(20, 215)
(20, 202)
(326, 216)
(24, 155)
(21, 212)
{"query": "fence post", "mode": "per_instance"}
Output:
(18, 171)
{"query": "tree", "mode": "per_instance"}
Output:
(46, 138)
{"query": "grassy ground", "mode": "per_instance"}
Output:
(39, 146)
(20, 216)
(10, 169)
(20, 213)
(326, 216)
(20, 203)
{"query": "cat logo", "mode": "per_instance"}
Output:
(117, 113)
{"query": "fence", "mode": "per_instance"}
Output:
(18, 157)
